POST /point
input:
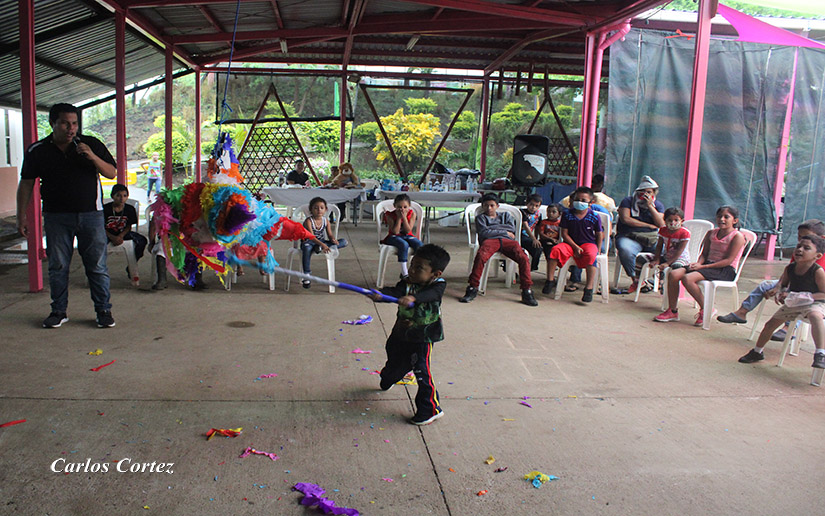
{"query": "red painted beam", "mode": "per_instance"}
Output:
(518, 47)
(167, 162)
(249, 52)
(198, 125)
(34, 229)
(707, 10)
(556, 17)
(277, 12)
(210, 17)
(120, 95)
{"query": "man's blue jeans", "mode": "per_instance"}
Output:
(61, 230)
(628, 249)
(758, 294)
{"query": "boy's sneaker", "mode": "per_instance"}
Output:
(55, 320)
(731, 318)
(779, 335)
(527, 298)
(587, 297)
(667, 316)
(105, 319)
(752, 356)
(306, 283)
(819, 361)
(385, 385)
(425, 420)
(548, 287)
(632, 288)
(469, 295)
(700, 317)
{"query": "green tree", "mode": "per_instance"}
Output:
(417, 106)
(367, 132)
(465, 126)
(412, 137)
(182, 141)
(323, 136)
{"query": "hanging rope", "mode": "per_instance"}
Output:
(225, 109)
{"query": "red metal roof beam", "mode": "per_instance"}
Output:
(518, 47)
(511, 11)
(210, 17)
(277, 13)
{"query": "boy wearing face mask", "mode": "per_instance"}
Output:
(582, 235)
(673, 243)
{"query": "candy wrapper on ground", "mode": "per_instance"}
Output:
(537, 478)
(312, 496)
(226, 432)
(363, 319)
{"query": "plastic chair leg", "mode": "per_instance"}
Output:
(617, 272)
(564, 272)
(707, 309)
(816, 376)
(665, 283)
(510, 276)
(756, 321)
(786, 345)
(331, 268)
(735, 297)
(382, 269)
(642, 279)
(290, 256)
(801, 328)
(482, 284)
(603, 283)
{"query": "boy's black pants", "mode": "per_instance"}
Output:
(402, 356)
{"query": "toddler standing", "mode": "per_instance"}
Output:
(153, 174)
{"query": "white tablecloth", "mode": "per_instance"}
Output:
(430, 198)
(295, 197)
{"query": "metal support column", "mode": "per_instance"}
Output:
(197, 125)
(120, 95)
(707, 10)
(36, 253)
(485, 108)
(167, 162)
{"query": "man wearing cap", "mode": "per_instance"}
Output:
(69, 167)
(640, 217)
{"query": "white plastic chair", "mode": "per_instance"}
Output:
(469, 219)
(384, 251)
(698, 229)
(709, 287)
(510, 266)
(295, 250)
(601, 262)
(798, 332)
(128, 247)
(369, 185)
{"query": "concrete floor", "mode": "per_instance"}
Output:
(634, 417)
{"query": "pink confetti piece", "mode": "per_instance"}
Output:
(250, 451)
(386, 440)
(360, 351)
(98, 368)
(388, 480)
(375, 372)
(526, 404)
(273, 375)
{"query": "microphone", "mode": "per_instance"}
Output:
(76, 141)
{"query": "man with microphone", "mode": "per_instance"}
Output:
(69, 167)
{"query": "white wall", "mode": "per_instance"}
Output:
(11, 138)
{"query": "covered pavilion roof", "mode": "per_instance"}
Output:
(75, 39)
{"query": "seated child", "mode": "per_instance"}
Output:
(673, 243)
(575, 275)
(319, 225)
(417, 326)
(530, 217)
(803, 275)
(548, 230)
(721, 251)
(812, 227)
(401, 222)
(582, 235)
(497, 233)
(119, 217)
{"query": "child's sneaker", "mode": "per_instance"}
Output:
(587, 296)
(667, 316)
(55, 320)
(306, 283)
(469, 295)
(425, 420)
(548, 287)
(751, 357)
(819, 361)
(632, 288)
(700, 317)
(527, 298)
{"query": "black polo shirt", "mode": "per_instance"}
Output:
(69, 183)
(300, 178)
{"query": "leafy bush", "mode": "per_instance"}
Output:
(412, 138)
(367, 132)
(421, 105)
(181, 147)
(324, 136)
(465, 126)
